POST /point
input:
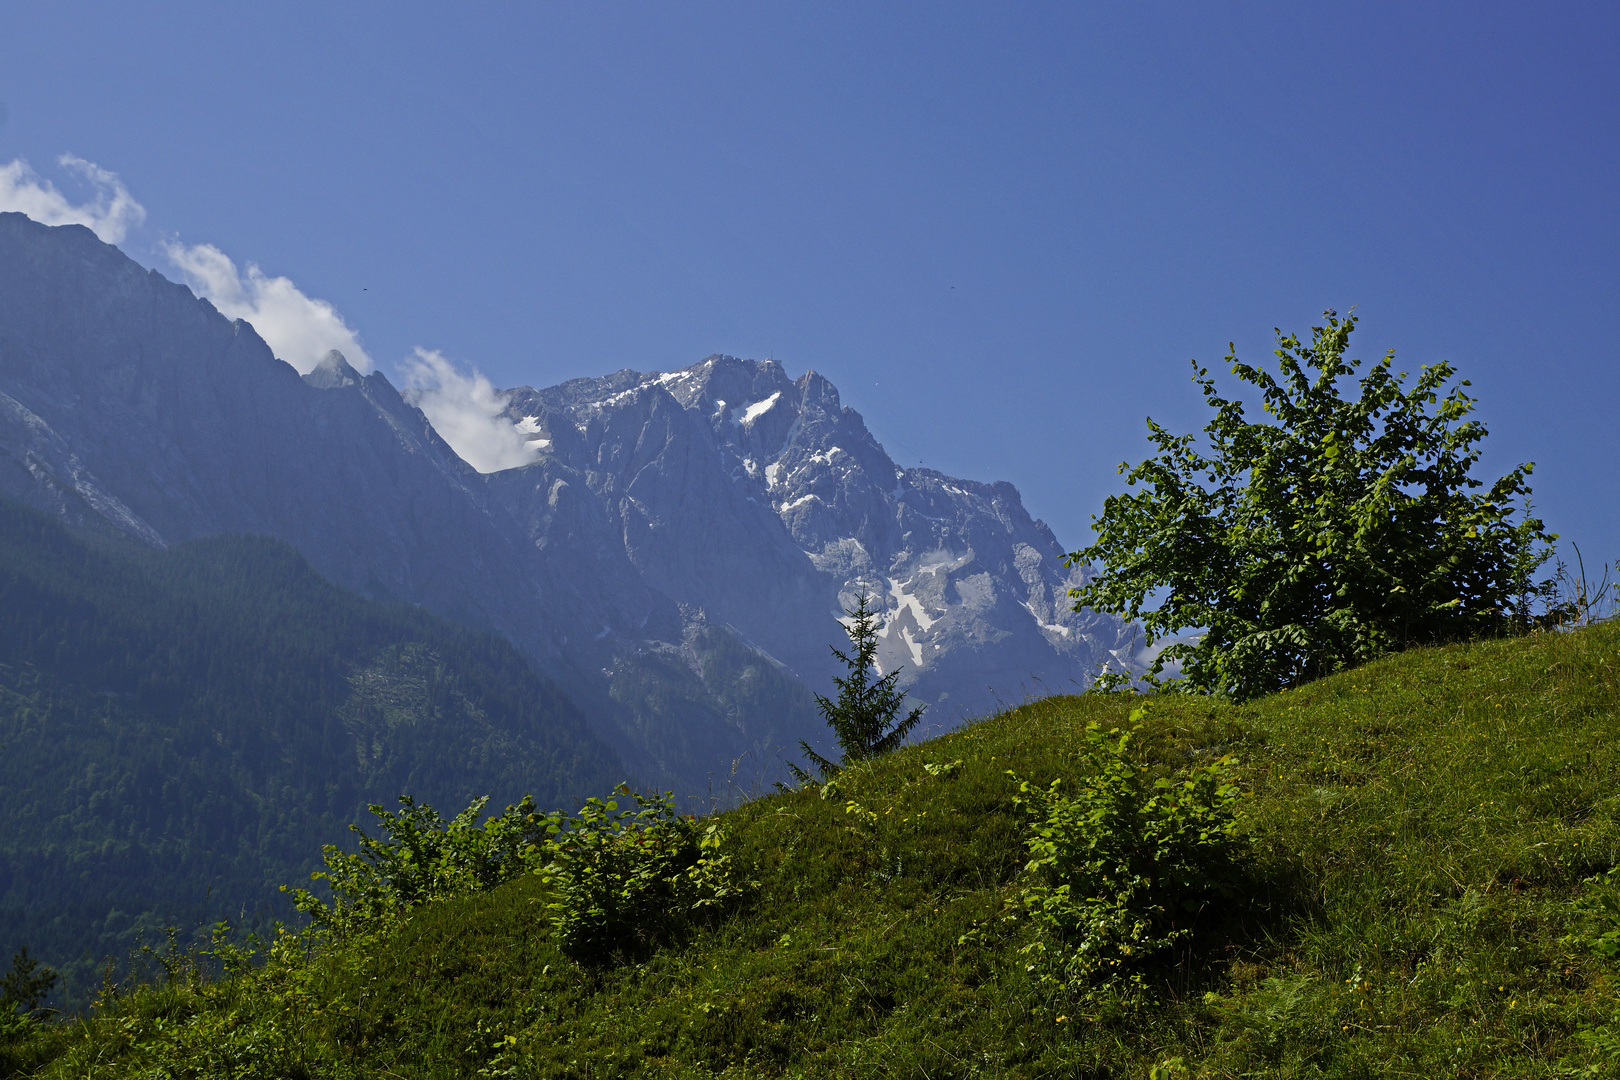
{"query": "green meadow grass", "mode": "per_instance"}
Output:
(1418, 832)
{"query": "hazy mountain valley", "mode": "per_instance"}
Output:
(672, 564)
(669, 523)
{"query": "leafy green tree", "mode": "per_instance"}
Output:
(1344, 529)
(866, 717)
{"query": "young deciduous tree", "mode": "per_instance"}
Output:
(1343, 529)
(866, 716)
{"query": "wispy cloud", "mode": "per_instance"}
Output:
(110, 213)
(299, 329)
(466, 411)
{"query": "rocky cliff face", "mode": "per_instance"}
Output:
(676, 558)
(761, 500)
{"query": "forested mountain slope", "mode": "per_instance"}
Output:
(181, 729)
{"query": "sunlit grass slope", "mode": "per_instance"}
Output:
(1418, 831)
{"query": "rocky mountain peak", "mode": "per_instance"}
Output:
(762, 499)
(332, 372)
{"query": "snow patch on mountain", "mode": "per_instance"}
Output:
(911, 644)
(905, 601)
(760, 408)
(1052, 628)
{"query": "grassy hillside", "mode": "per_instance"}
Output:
(181, 730)
(1416, 841)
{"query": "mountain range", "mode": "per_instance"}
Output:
(676, 558)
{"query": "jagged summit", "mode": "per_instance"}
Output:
(763, 500)
(332, 372)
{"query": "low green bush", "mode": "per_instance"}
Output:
(423, 858)
(1599, 905)
(624, 872)
(623, 877)
(22, 996)
(1121, 870)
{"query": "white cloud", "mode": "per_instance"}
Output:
(298, 328)
(110, 213)
(466, 411)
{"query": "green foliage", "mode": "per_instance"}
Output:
(622, 877)
(22, 995)
(625, 877)
(866, 717)
(1123, 868)
(1110, 682)
(423, 858)
(1417, 833)
(1345, 529)
(1601, 904)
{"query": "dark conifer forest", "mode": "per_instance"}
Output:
(182, 730)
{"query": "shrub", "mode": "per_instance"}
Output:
(424, 857)
(624, 877)
(1599, 904)
(1121, 869)
(22, 995)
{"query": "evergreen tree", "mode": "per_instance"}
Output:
(23, 992)
(865, 718)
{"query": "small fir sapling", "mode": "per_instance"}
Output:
(866, 717)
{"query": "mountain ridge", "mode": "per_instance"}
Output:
(831, 514)
(726, 510)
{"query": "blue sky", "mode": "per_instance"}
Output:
(1002, 230)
